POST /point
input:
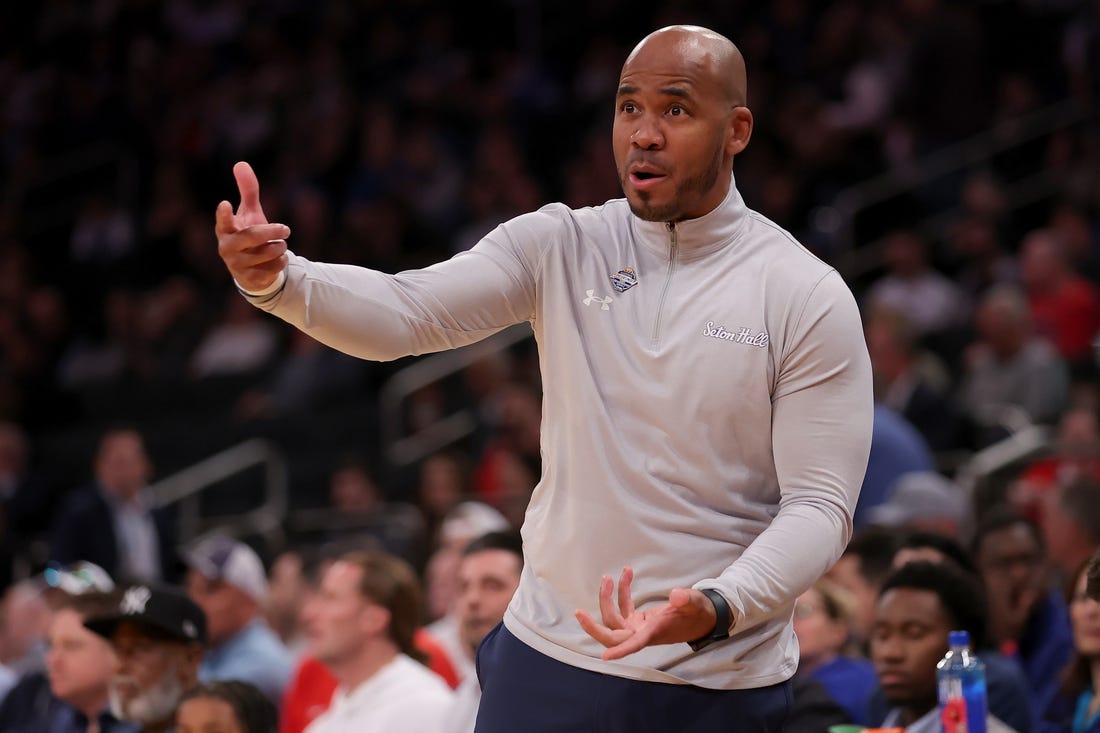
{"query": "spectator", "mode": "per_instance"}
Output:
(243, 342)
(462, 524)
(1028, 618)
(361, 625)
(1073, 708)
(862, 567)
(80, 666)
(920, 604)
(1007, 686)
(933, 547)
(488, 576)
(31, 702)
(114, 522)
(312, 685)
(924, 501)
(24, 619)
(228, 706)
(515, 439)
(1064, 305)
(1071, 524)
(443, 482)
(978, 243)
(309, 377)
(1075, 455)
(910, 380)
(157, 633)
(226, 578)
(363, 510)
(933, 303)
(897, 448)
(822, 624)
(1011, 376)
(288, 586)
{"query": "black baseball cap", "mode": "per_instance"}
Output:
(163, 611)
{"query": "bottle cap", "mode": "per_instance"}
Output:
(958, 638)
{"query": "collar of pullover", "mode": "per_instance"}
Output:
(701, 236)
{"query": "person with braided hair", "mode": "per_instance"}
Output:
(226, 706)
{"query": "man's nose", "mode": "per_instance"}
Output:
(647, 135)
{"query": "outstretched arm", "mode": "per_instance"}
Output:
(253, 249)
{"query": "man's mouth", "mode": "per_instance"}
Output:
(643, 178)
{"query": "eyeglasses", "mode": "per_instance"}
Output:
(78, 578)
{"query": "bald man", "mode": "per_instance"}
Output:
(706, 416)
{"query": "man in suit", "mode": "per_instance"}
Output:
(113, 521)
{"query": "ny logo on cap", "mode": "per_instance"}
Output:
(134, 600)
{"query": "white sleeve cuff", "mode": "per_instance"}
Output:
(272, 288)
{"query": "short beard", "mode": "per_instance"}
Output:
(673, 211)
(151, 706)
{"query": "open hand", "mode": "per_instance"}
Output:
(687, 616)
(252, 249)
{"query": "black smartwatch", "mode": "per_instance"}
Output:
(721, 628)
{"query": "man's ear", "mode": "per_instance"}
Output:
(740, 130)
(375, 620)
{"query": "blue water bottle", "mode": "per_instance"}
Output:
(960, 676)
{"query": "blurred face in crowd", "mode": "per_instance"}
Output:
(820, 636)
(1084, 615)
(486, 582)
(908, 638)
(152, 676)
(679, 120)
(24, 619)
(288, 587)
(207, 715)
(80, 663)
(339, 620)
(121, 463)
(352, 490)
(1010, 561)
(846, 574)
(228, 609)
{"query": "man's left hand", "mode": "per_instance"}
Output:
(687, 616)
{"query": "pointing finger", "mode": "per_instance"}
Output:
(249, 187)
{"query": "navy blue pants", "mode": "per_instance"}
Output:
(524, 690)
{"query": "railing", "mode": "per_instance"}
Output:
(403, 450)
(186, 487)
(839, 218)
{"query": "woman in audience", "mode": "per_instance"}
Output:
(822, 622)
(1076, 707)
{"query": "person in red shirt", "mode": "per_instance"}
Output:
(1064, 305)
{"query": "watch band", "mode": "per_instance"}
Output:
(721, 628)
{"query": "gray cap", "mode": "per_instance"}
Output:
(920, 495)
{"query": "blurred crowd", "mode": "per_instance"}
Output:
(392, 135)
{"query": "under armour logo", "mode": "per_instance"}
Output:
(593, 299)
(134, 600)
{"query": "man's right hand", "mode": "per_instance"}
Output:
(253, 249)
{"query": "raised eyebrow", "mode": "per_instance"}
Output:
(625, 90)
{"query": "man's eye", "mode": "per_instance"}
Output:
(675, 110)
(628, 107)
